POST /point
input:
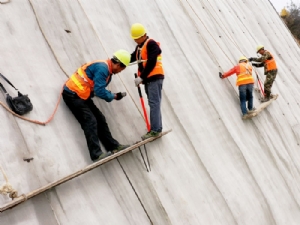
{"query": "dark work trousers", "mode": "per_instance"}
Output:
(153, 91)
(92, 122)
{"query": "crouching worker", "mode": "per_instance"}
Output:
(89, 80)
(245, 83)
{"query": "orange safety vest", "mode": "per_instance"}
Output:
(270, 64)
(81, 84)
(245, 75)
(158, 69)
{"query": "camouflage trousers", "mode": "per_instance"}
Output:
(270, 78)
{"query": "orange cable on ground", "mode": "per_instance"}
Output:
(35, 121)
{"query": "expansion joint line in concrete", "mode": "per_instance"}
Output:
(135, 192)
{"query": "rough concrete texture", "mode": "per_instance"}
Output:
(213, 168)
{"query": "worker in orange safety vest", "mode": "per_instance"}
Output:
(268, 62)
(245, 83)
(150, 73)
(89, 80)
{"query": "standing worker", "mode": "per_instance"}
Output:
(245, 83)
(267, 60)
(150, 73)
(89, 80)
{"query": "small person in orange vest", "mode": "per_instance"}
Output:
(89, 80)
(150, 73)
(245, 84)
(268, 62)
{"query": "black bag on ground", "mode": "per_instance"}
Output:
(21, 104)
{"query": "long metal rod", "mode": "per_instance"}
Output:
(143, 159)
(147, 157)
(136, 194)
(136, 62)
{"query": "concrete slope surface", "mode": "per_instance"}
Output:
(213, 168)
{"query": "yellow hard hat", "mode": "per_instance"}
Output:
(123, 56)
(284, 13)
(259, 47)
(243, 58)
(137, 30)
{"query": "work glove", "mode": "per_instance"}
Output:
(221, 75)
(250, 59)
(120, 95)
(137, 81)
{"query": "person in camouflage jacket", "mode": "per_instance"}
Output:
(268, 62)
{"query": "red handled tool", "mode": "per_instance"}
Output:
(259, 84)
(143, 106)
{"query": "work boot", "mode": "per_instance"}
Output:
(150, 134)
(245, 116)
(252, 110)
(120, 148)
(265, 99)
(102, 156)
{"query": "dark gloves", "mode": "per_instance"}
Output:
(250, 59)
(120, 95)
(221, 75)
(258, 64)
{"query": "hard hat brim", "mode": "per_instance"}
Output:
(262, 47)
(134, 38)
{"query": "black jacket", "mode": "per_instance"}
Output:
(153, 50)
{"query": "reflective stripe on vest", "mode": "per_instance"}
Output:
(158, 69)
(81, 84)
(271, 64)
(245, 75)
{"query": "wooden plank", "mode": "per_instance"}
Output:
(24, 197)
(261, 107)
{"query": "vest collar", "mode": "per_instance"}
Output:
(109, 64)
(141, 45)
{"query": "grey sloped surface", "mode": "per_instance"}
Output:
(213, 168)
